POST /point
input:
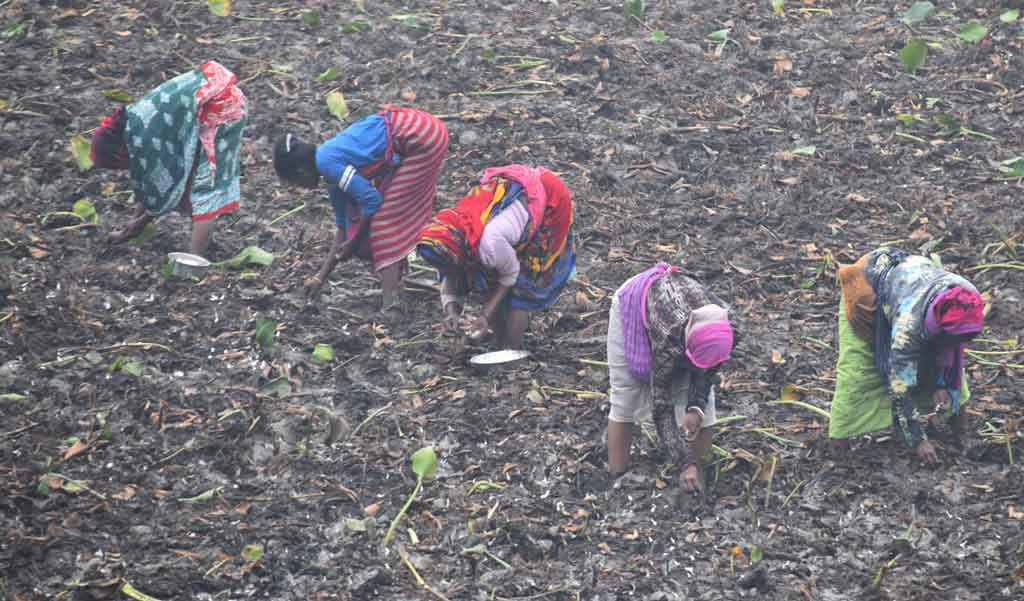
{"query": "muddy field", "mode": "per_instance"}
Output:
(145, 438)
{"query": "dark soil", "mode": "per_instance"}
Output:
(680, 150)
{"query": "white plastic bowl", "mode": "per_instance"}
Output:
(495, 358)
(186, 265)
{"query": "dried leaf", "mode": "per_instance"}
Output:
(782, 65)
(777, 358)
(75, 449)
(1014, 514)
(800, 92)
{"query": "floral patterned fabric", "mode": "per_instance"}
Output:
(905, 286)
(188, 130)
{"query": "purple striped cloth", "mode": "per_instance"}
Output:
(632, 315)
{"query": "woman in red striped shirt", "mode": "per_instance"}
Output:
(382, 174)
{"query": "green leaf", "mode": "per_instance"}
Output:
(407, 19)
(130, 591)
(721, 36)
(355, 27)
(252, 552)
(973, 32)
(337, 105)
(266, 330)
(328, 75)
(756, 554)
(118, 95)
(220, 8)
(931, 101)
(323, 353)
(144, 236)
(779, 7)
(253, 255)
(913, 55)
(278, 387)
(807, 151)
(907, 119)
(949, 123)
(73, 486)
(1010, 16)
(634, 9)
(489, 54)
(133, 368)
(86, 211)
(203, 497)
(1011, 168)
(12, 30)
(918, 12)
(43, 488)
(168, 271)
(12, 397)
(80, 148)
(311, 17)
(424, 462)
(658, 36)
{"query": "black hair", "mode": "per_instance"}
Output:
(292, 156)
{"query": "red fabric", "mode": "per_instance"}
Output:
(421, 139)
(959, 311)
(108, 150)
(219, 102)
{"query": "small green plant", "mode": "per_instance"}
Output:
(918, 12)
(266, 330)
(779, 7)
(355, 27)
(337, 105)
(1012, 168)
(250, 255)
(634, 9)
(424, 464)
(1010, 16)
(913, 54)
(658, 36)
(118, 95)
(721, 37)
(323, 353)
(85, 211)
(220, 8)
(311, 17)
(329, 75)
(80, 148)
(973, 32)
(12, 31)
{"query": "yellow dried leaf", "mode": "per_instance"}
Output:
(782, 65)
(777, 358)
(75, 449)
(800, 92)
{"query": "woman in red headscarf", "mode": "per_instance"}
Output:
(904, 325)
(181, 143)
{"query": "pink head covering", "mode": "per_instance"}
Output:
(709, 337)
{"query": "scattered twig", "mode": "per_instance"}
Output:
(14, 433)
(419, 580)
(369, 418)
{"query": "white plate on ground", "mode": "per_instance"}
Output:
(498, 358)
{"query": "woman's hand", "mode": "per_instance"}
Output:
(927, 453)
(690, 478)
(346, 250)
(481, 327)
